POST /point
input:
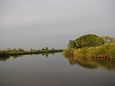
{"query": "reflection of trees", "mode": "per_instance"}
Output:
(90, 66)
(84, 62)
(3, 58)
(109, 65)
(91, 63)
(45, 54)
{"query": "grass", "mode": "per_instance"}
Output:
(107, 50)
(87, 56)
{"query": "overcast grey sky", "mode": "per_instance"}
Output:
(46, 18)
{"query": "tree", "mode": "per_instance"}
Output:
(43, 49)
(19, 49)
(89, 40)
(86, 41)
(71, 44)
(46, 48)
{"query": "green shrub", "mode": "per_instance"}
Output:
(93, 52)
(88, 40)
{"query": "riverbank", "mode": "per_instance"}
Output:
(103, 52)
(16, 52)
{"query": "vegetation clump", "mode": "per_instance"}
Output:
(92, 52)
(91, 46)
(88, 40)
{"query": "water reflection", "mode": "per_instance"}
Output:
(84, 62)
(91, 63)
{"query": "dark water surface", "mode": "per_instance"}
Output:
(38, 70)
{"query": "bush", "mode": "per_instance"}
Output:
(89, 40)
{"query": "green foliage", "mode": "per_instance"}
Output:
(43, 49)
(14, 50)
(68, 52)
(19, 49)
(93, 52)
(46, 48)
(71, 44)
(89, 40)
(108, 39)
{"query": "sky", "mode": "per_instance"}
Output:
(25, 19)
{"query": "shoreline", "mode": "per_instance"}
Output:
(15, 52)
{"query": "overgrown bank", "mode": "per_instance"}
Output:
(91, 46)
(106, 50)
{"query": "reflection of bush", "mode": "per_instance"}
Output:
(87, 56)
(91, 64)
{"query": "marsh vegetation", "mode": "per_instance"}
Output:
(92, 47)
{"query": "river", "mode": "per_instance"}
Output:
(54, 70)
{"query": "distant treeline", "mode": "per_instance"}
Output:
(20, 51)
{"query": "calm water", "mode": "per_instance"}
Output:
(54, 70)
